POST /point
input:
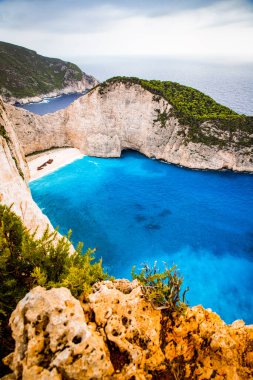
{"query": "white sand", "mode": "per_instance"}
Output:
(60, 157)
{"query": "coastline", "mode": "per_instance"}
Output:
(42, 97)
(60, 157)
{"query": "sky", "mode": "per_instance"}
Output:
(196, 29)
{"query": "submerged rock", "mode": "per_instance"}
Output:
(116, 334)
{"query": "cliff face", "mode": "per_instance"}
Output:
(26, 76)
(13, 174)
(116, 334)
(127, 117)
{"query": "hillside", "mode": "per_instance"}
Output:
(24, 73)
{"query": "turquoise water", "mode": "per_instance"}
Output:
(135, 210)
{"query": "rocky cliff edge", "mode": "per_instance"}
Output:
(116, 334)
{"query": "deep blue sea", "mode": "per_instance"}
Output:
(135, 210)
(51, 104)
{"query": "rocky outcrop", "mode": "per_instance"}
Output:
(116, 334)
(126, 117)
(53, 341)
(13, 176)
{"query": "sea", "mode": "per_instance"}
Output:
(138, 211)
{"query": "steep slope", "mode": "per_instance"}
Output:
(13, 175)
(26, 74)
(122, 114)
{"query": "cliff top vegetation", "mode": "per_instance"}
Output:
(192, 108)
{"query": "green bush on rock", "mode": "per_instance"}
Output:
(162, 289)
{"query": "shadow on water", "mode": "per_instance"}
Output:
(140, 218)
(165, 212)
(138, 206)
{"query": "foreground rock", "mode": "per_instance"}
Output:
(118, 335)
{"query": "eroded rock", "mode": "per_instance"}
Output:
(53, 340)
(116, 334)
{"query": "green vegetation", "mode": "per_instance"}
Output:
(3, 132)
(192, 108)
(163, 289)
(25, 73)
(162, 117)
(26, 261)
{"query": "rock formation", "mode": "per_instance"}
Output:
(14, 174)
(116, 334)
(125, 117)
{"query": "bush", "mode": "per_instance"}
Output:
(26, 262)
(163, 289)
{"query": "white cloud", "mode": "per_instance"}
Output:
(222, 30)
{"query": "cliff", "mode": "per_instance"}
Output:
(26, 76)
(14, 175)
(116, 334)
(123, 114)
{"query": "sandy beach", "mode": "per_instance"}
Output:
(50, 161)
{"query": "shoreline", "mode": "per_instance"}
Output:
(40, 99)
(60, 157)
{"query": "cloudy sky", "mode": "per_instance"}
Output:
(198, 29)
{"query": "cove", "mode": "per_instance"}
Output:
(136, 210)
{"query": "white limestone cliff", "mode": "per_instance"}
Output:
(104, 124)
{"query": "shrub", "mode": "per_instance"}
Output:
(163, 289)
(26, 262)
